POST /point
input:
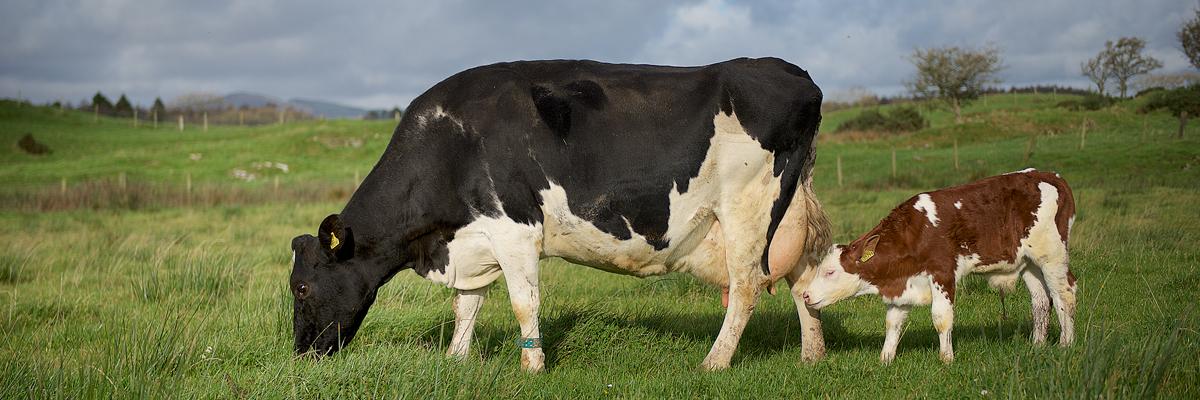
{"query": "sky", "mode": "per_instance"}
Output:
(379, 54)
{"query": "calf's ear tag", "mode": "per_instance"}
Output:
(333, 241)
(869, 248)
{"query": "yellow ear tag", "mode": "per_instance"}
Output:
(869, 248)
(333, 241)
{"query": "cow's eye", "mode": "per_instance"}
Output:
(301, 290)
(829, 272)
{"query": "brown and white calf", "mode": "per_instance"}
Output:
(1005, 226)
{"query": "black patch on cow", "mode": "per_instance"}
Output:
(556, 105)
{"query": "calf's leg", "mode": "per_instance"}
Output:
(1062, 291)
(812, 339)
(466, 308)
(895, 325)
(943, 321)
(1040, 303)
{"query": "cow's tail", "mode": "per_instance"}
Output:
(818, 237)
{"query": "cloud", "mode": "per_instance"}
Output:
(383, 53)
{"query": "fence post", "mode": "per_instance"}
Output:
(1029, 150)
(241, 118)
(181, 122)
(206, 121)
(1182, 122)
(839, 169)
(188, 193)
(893, 163)
(62, 186)
(1083, 133)
(155, 113)
(396, 116)
(135, 119)
(956, 154)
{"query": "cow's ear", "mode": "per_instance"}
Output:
(868, 249)
(336, 238)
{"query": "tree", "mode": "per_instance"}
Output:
(1124, 59)
(158, 109)
(1096, 70)
(954, 75)
(123, 107)
(1189, 39)
(102, 103)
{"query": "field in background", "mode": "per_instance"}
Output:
(137, 286)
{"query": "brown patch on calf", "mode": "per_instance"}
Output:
(996, 214)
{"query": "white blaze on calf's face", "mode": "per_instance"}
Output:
(832, 283)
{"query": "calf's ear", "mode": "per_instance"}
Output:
(868, 249)
(337, 239)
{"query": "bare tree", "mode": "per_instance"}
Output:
(1096, 70)
(1125, 60)
(954, 75)
(1189, 39)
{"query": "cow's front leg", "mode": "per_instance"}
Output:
(466, 308)
(743, 295)
(523, 290)
(895, 326)
(812, 340)
(943, 321)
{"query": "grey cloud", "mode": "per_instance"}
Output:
(383, 53)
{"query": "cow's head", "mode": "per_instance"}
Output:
(834, 281)
(331, 291)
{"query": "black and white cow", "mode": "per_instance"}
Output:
(634, 169)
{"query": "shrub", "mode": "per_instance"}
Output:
(900, 119)
(1175, 101)
(1090, 102)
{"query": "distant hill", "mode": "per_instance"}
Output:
(317, 108)
(327, 109)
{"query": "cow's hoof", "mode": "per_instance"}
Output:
(533, 362)
(886, 358)
(947, 358)
(812, 355)
(713, 366)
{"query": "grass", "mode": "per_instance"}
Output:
(189, 300)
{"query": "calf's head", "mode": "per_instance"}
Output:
(838, 275)
(331, 289)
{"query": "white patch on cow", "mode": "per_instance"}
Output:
(293, 257)
(917, 291)
(958, 204)
(1024, 171)
(925, 204)
(476, 249)
(965, 264)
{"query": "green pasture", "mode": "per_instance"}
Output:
(168, 300)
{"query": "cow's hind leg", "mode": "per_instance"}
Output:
(1040, 303)
(466, 308)
(813, 340)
